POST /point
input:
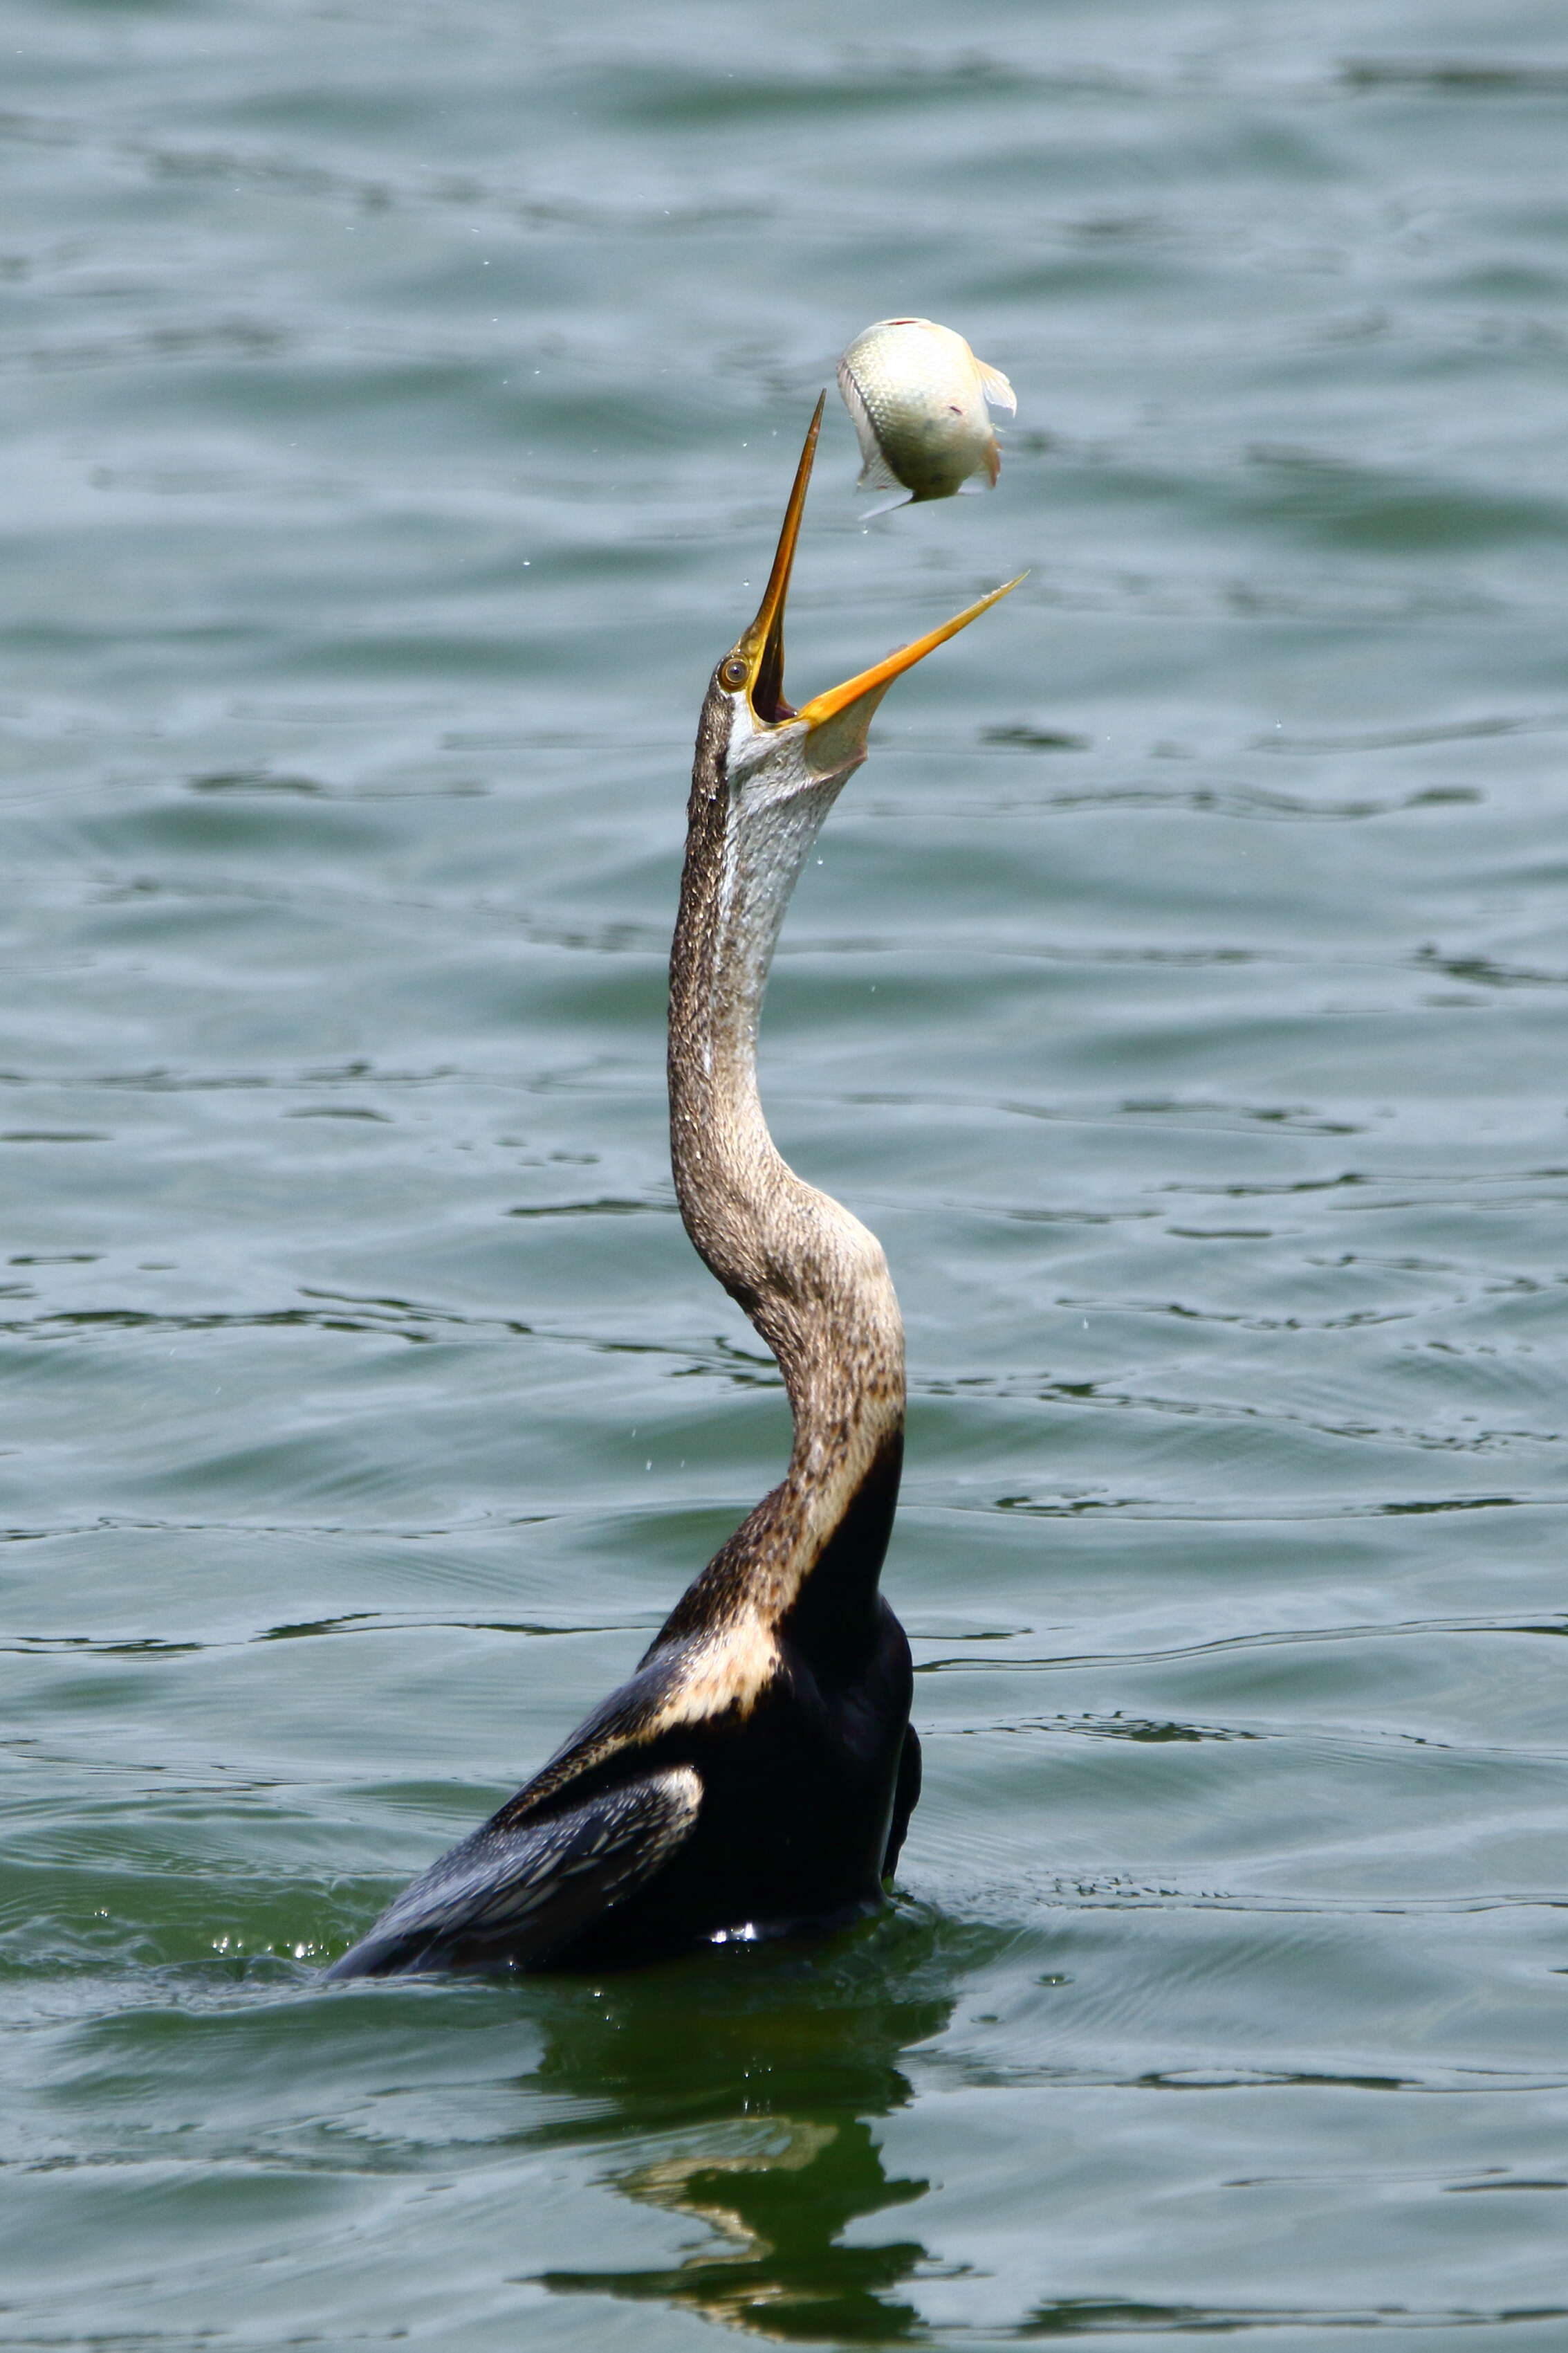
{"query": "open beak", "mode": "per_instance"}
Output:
(762, 647)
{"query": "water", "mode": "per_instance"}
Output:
(400, 404)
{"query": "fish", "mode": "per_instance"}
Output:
(920, 403)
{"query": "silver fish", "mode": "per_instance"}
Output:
(919, 399)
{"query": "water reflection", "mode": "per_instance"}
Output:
(748, 2101)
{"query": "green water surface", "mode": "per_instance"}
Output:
(398, 403)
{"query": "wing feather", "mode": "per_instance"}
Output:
(511, 1895)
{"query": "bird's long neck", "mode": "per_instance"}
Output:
(813, 1280)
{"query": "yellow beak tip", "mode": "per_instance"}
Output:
(881, 676)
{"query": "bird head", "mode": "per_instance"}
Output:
(772, 750)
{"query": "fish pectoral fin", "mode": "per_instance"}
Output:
(511, 1894)
(876, 474)
(998, 392)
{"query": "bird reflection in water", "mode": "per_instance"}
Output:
(754, 2111)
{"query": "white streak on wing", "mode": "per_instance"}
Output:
(506, 1882)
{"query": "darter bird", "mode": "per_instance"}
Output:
(754, 1778)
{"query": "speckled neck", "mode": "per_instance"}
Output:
(811, 1277)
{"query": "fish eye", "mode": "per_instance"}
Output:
(733, 671)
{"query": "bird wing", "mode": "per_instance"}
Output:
(906, 1797)
(876, 474)
(509, 1895)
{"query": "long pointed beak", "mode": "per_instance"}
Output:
(870, 685)
(762, 647)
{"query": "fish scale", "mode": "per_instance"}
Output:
(921, 404)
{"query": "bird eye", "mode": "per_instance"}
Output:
(733, 671)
